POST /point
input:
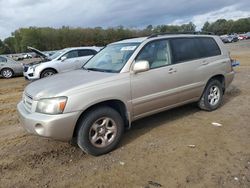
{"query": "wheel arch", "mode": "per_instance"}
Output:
(48, 68)
(7, 68)
(116, 104)
(220, 78)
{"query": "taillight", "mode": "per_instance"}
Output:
(231, 61)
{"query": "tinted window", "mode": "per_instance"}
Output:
(71, 54)
(184, 49)
(2, 59)
(208, 47)
(157, 53)
(86, 52)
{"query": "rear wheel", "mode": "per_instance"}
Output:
(100, 131)
(47, 73)
(212, 96)
(7, 73)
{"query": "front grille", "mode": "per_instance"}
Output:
(25, 68)
(27, 101)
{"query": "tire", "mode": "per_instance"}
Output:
(7, 73)
(212, 96)
(47, 73)
(100, 124)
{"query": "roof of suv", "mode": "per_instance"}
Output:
(132, 40)
(84, 48)
(142, 39)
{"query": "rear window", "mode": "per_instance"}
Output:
(208, 47)
(186, 49)
(86, 52)
(2, 59)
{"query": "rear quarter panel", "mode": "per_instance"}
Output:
(217, 65)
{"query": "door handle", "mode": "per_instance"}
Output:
(172, 70)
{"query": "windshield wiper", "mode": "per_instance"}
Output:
(91, 69)
(99, 70)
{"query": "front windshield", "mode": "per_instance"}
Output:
(57, 54)
(112, 58)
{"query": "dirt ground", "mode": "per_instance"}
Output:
(154, 153)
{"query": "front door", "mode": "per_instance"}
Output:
(154, 90)
(70, 63)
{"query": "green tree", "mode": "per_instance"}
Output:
(206, 27)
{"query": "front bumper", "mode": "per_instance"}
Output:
(29, 74)
(60, 127)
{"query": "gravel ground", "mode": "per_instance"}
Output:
(177, 148)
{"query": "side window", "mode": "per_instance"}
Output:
(71, 54)
(157, 53)
(82, 53)
(184, 49)
(208, 47)
(3, 60)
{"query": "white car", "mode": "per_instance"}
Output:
(64, 60)
(27, 56)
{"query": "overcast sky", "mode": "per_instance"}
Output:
(110, 13)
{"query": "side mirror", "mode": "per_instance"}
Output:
(63, 58)
(140, 66)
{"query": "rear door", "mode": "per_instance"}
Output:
(188, 62)
(84, 55)
(194, 57)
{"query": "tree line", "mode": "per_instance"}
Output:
(47, 38)
(223, 26)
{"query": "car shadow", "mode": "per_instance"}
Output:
(145, 125)
(231, 93)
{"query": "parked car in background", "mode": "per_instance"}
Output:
(242, 36)
(49, 53)
(9, 67)
(64, 60)
(24, 56)
(248, 35)
(229, 38)
(226, 38)
(234, 36)
(126, 81)
(27, 56)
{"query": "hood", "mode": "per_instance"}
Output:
(36, 62)
(38, 52)
(62, 84)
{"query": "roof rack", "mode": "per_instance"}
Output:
(174, 33)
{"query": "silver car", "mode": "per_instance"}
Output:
(10, 68)
(126, 81)
(64, 60)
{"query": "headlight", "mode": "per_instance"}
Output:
(33, 67)
(51, 105)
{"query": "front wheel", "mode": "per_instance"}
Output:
(212, 96)
(47, 73)
(100, 131)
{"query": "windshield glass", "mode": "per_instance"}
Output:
(112, 58)
(57, 54)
